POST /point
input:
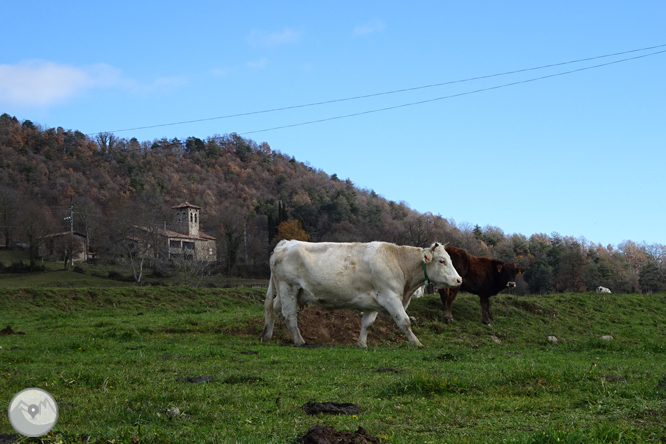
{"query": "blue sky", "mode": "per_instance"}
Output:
(581, 154)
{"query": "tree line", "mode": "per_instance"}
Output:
(251, 196)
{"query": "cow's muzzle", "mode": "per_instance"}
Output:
(511, 284)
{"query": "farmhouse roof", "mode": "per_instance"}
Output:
(65, 233)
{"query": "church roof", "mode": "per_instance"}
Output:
(175, 234)
(186, 205)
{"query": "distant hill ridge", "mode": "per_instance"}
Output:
(245, 189)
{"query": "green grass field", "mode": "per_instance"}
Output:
(116, 359)
(91, 274)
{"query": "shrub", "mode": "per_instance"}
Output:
(114, 274)
(18, 267)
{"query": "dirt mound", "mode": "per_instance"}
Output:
(328, 435)
(8, 331)
(340, 327)
(325, 327)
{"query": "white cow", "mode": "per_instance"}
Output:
(370, 277)
(603, 290)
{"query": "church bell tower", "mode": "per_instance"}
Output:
(186, 219)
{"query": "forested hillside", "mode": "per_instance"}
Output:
(251, 196)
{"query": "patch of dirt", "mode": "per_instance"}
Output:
(326, 327)
(8, 438)
(612, 378)
(200, 379)
(339, 327)
(532, 307)
(335, 408)
(388, 369)
(320, 434)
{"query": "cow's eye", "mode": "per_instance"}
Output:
(442, 262)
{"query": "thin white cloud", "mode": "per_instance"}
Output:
(263, 38)
(369, 28)
(218, 72)
(258, 64)
(160, 85)
(39, 83)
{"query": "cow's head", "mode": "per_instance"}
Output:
(439, 267)
(508, 273)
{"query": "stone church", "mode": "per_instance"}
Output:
(186, 240)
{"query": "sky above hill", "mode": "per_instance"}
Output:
(436, 115)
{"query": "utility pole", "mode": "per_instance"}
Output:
(70, 219)
(71, 229)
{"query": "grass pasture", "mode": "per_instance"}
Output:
(116, 359)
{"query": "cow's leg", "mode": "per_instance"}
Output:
(269, 323)
(366, 321)
(270, 315)
(485, 310)
(491, 316)
(393, 305)
(448, 295)
(289, 300)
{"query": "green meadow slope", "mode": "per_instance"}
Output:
(116, 359)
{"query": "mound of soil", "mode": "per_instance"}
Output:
(328, 435)
(325, 327)
(8, 331)
(340, 327)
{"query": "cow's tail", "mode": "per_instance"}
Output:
(269, 312)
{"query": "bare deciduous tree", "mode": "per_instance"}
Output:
(136, 232)
(35, 222)
(9, 206)
(67, 247)
(233, 226)
(87, 219)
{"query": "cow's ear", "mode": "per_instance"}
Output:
(499, 268)
(521, 270)
(427, 256)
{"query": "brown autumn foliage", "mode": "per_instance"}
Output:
(249, 195)
(291, 230)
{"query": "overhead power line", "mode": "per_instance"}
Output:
(421, 102)
(365, 96)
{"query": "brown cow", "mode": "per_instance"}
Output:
(482, 276)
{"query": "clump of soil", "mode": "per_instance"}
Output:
(336, 408)
(8, 331)
(328, 435)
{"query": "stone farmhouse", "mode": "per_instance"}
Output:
(52, 245)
